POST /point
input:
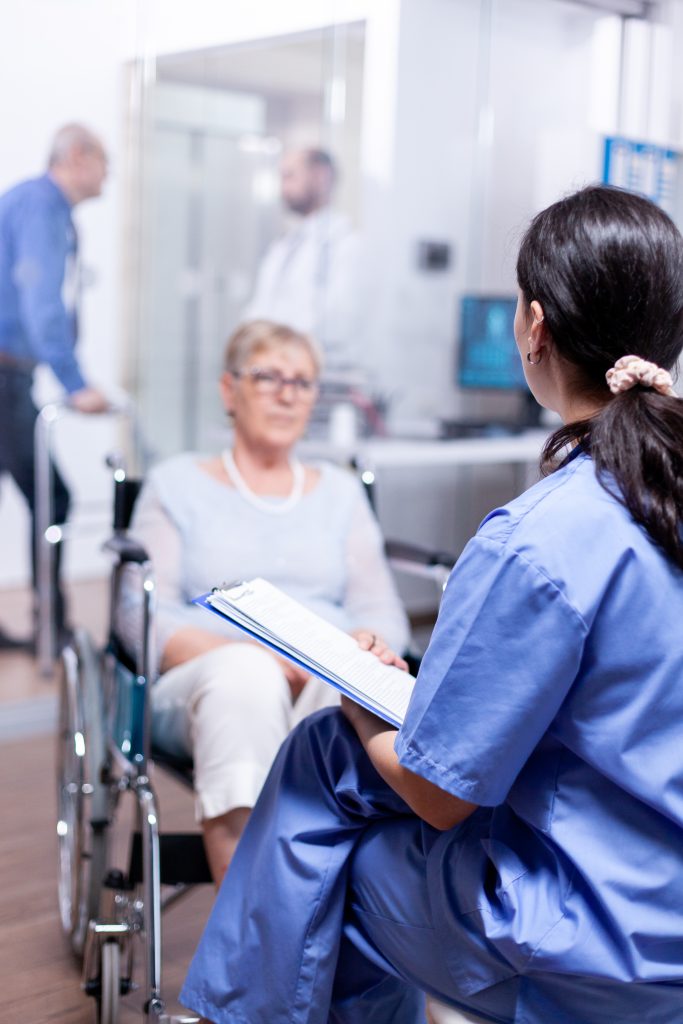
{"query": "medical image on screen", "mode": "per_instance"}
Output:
(488, 355)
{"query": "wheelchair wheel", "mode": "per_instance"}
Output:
(82, 797)
(110, 981)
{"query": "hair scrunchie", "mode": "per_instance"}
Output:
(631, 370)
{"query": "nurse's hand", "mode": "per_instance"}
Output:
(434, 805)
(369, 641)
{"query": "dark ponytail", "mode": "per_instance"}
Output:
(607, 268)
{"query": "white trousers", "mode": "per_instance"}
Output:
(230, 709)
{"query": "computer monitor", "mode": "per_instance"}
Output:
(488, 358)
(488, 354)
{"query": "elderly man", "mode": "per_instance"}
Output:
(38, 307)
(310, 277)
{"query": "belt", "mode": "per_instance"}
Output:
(16, 362)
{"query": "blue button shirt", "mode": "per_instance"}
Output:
(552, 692)
(37, 279)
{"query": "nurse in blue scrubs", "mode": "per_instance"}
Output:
(516, 848)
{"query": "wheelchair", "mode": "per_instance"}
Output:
(111, 908)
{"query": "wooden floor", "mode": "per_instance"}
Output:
(41, 981)
(40, 977)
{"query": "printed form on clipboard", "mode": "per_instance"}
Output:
(278, 621)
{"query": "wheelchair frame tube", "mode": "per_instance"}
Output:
(135, 770)
(151, 859)
(44, 520)
(45, 548)
(146, 657)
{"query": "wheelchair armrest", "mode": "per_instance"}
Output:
(404, 552)
(414, 560)
(126, 549)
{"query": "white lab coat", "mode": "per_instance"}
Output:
(310, 279)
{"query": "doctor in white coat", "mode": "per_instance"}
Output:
(310, 277)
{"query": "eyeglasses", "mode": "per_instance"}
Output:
(271, 382)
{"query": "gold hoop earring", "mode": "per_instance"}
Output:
(534, 362)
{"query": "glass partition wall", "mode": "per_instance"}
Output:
(217, 122)
(451, 122)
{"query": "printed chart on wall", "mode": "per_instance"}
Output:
(653, 171)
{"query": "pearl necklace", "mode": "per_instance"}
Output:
(274, 508)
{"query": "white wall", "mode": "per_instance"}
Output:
(489, 121)
(418, 140)
(171, 26)
(62, 61)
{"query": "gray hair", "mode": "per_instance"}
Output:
(254, 335)
(70, 137)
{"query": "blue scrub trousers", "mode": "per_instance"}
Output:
(339, 908)
(325, 913)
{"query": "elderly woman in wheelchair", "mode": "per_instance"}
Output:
(254, 510)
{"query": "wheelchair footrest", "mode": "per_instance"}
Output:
(183, 860)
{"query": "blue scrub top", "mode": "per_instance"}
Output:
(39, 279)
(552, 692)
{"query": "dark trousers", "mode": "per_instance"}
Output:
(17, 421)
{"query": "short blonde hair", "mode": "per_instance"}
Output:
(255, 335)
